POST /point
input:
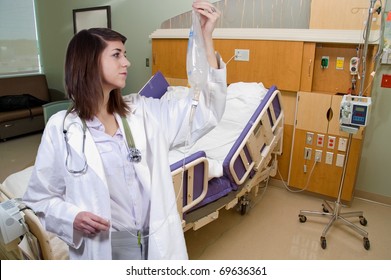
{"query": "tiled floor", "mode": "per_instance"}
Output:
(18, 153)
(270, 230)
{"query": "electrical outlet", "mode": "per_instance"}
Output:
(318, 155)
(320, 140)
(310, 138)
(242, 55)
(307, 153)
(331, 142)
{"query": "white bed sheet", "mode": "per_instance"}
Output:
(242, 100)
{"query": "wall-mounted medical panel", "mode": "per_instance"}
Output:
(313, 117)
(337, 76)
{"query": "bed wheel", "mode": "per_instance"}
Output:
(323, 242)
(363, 221)
(244, 205)
(243, 209)
(366, 243)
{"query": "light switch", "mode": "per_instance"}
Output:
(329, 158)
(340, 160)
(342, 143)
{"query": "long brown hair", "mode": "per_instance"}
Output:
(83, 74)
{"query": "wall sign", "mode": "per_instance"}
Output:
(91, 17)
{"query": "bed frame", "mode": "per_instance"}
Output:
(45, 248)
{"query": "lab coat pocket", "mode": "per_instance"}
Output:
(113, 159)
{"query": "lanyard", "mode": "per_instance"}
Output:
(134, 153)
(128, 133)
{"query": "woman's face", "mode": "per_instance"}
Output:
(114, 66)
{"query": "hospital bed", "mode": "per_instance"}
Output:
(232, 160)
(218, 172)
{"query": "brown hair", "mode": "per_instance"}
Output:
(83, 75)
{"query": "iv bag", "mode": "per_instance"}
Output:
(196, 63)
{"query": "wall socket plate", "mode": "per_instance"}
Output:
(309, 138)
(242, 55)
(318, 155)
(307, 153)
(340, 160)
(320, 140)
(329, 158)
(342, 144)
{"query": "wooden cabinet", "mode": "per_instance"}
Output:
(169, 56)
(317, 118)
(271, 62)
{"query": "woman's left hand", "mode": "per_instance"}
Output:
(209, 16)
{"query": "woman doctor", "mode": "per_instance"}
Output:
(101, 180)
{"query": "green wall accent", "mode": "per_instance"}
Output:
(374, 175)
(134, 19)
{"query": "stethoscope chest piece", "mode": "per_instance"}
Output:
(134, 155)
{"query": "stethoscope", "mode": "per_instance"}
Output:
(134, 154)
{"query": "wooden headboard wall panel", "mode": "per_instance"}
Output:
(169, 56)
(271, 62)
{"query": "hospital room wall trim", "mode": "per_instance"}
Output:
(276, 34)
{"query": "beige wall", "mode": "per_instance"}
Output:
(341, 14)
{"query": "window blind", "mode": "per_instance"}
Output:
(19, 52)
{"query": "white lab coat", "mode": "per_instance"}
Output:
(57, 196)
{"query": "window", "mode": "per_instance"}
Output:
(19, 52)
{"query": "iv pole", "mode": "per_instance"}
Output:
(364, 55)
(335, 213)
